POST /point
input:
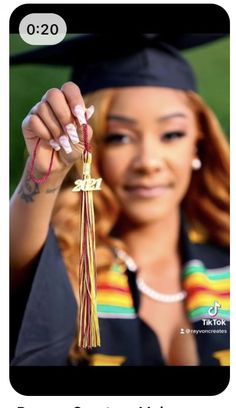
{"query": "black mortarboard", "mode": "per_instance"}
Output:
(105, 61)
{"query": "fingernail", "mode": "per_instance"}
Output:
(72, 133)
(90, 111)
(64, 142)
(54, 145)
(80, 114)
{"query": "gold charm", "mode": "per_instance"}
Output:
(87, 183)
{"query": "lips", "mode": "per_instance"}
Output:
(147, 191)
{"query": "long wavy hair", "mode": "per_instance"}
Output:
(206, 203)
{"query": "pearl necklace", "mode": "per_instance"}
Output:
(151, 293)
(157, 296)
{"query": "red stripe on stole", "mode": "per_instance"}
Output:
(194, 289)
(112, 288)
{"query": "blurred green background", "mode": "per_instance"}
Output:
(29, 82)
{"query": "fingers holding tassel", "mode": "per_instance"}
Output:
(80, 113)
(72, 115)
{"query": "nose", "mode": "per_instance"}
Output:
(149, 158)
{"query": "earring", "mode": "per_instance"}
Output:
(196, 163)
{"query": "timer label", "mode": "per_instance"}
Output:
(42, 29)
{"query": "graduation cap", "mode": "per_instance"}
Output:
(107, 60)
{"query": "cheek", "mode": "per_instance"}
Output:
(182, 168)
(112, 168)
(184, 171)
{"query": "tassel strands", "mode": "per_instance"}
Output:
(89, 335)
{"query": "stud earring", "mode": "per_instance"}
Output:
(196, 163)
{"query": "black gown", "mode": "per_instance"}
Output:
(43, 320)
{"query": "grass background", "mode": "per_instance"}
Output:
(29, 82)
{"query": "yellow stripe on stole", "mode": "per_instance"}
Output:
(204, 299)
(112, 279)
(114, 299)
(202, 280)
(223, 356)
(106, 360)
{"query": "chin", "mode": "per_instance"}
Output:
(147, 215)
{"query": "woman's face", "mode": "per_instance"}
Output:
(146, 154)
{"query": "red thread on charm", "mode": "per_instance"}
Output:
(87, 145)
(31, 167)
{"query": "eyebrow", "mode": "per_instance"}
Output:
(120, 118)
(126, 119)
(172, 115)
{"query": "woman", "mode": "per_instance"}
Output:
(162, 216)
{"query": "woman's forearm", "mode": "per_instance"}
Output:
(30, 214)
(55, 122)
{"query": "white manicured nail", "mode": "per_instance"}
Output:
(54, 145)
(80, 114)
(64, 142)
(72, 133)
(90, 111)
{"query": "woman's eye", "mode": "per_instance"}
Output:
(116, 138)
(172, 135)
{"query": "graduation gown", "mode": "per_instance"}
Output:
(47, 321)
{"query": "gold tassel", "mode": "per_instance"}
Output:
(89, 335)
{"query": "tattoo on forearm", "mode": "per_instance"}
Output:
(28, 190)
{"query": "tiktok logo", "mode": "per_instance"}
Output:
(213, 310)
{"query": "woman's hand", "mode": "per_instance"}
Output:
(57, 120)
